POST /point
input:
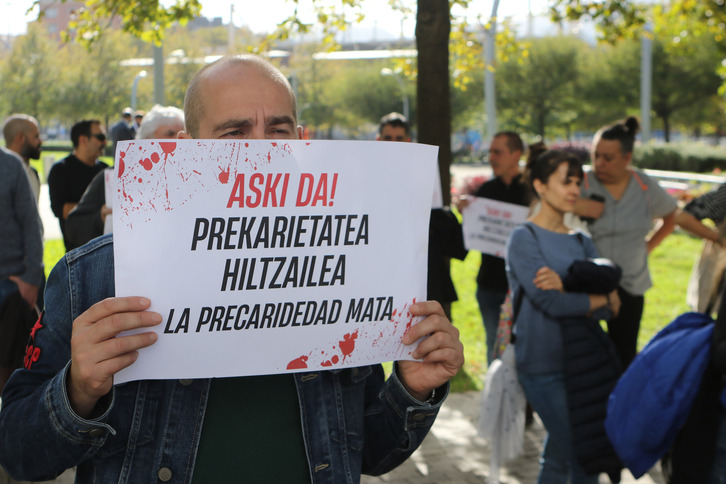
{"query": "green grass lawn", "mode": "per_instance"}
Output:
(670, 268)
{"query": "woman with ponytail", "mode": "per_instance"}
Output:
(621, 205)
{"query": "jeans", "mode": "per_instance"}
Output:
(490, 303)
(547, 394)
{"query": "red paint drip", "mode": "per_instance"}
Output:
(147, 164)
(167, 147)
(298, 363)
(155, 157)
(347, 346)
(224, 176)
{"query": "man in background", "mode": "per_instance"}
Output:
(22, 137)
(122, 130)
(69, 177)
(506, 185)
(445, 237)
(21, 261)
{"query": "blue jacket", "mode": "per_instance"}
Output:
(654, 396)
(352, 421)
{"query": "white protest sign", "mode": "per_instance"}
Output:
(487, 224)
(270, 257)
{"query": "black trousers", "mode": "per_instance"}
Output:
(623, 329)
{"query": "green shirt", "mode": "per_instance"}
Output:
(252, 432)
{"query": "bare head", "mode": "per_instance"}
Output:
(241, 96)
(22, 135)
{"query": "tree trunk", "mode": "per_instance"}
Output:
(433, 105)
(666, 127)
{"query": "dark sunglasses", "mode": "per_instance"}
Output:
(99, 136)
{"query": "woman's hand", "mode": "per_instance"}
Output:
(546, 279)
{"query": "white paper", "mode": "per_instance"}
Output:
(367, 236)
(487, 224)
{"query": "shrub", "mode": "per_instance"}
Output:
(693, 157)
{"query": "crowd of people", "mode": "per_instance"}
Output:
(62, 403)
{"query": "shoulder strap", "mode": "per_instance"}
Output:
(642, 184)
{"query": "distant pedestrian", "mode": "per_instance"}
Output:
(122, 130)
(69, 177)
(22, 137)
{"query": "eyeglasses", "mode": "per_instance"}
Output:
(99, 136)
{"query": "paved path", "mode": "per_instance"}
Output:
(454, 454)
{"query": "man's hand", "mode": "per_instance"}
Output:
(442, 352)
(462, 202)
(97, 354)
(546, 279)
(29, 292)
(105, 212)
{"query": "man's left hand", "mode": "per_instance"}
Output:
(442, 352)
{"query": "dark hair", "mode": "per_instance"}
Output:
(514, 142)
(397, 120)
(542, 167)
(82, 128)
(623, 131)
(534, 150)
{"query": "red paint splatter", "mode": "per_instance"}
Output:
(121, 167)
(395, 311)
(334, 360)
(347, 346)
(155, 157)
(141, 181)
(247, 145)
(167, 147)
(298, 363)
(274, 144)
(224, 176)
(147, 164)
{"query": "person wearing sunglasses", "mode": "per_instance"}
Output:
(69, 177)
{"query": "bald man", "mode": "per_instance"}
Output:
(22, 137)
(327, 426)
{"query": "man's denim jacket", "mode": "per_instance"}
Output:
(148, 431)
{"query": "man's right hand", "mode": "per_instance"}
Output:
(97, 354)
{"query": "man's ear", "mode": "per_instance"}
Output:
(183, 135)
